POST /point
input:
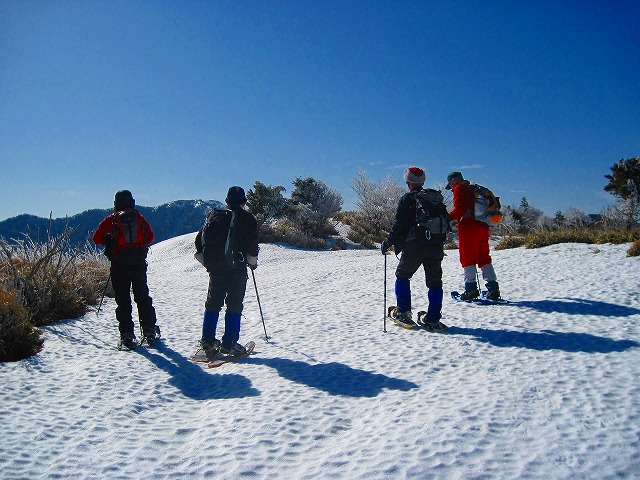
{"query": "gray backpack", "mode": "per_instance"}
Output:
(432, 218)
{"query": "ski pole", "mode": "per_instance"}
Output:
(384, 318)
(104, 291)
(255, 285)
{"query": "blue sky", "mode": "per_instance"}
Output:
(181, 99)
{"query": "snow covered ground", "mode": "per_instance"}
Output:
(546, 387)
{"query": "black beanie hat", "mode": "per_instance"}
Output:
(236, 197)
(123, 200)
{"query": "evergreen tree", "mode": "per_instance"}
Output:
(267, 203)
(624, 180)
(624, 183)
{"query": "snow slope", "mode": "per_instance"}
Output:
(546, 387)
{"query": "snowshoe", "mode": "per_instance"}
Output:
(469, 295)
(431, 326)
(235, 349)
(402, 319)
(231, 357)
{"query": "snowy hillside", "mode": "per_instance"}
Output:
(546, 387)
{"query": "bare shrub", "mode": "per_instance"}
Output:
(41, 283)
(634, 251)
(18, 337)
(362, 230)
(286, 231)
(510, 241)
(50, 279)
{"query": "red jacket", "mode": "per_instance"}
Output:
(463, 202)
(144, 236)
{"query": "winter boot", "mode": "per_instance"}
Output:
(234, 349)
(127, 342)
(493, 290)
(404, 318)
(436, 326)
(150, 337)
(210, 349)
(470, 291)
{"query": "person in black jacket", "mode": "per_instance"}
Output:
(227, 283)
(126, 235)
(417, 248)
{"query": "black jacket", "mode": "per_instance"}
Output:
(403, 228)
(247, 233)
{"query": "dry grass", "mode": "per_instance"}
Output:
(634, 251)
(45, 282)
(289, 232)
(573, 235)
(18, 337)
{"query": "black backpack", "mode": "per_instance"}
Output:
(432, 218)
(219, 240)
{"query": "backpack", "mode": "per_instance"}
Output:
(486, 206)
(218, 240)
(432, 218)
(128, 242)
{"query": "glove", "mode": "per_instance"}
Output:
(199, 256)
(252, 262)
(385, 247)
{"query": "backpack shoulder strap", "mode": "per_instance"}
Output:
(142, 228)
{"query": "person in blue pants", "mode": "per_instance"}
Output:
(227, 283)
(416, 249)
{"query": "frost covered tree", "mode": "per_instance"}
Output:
(313, 204)
(509, 224)
(377, 201)
(525, 218)
(577, 218)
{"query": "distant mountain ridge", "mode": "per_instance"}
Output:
(167, 221)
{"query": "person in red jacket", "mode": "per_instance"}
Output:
(473, 240)
(126, 235)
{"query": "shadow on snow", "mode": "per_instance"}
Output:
(334, 378)
(578, 306)
(193, 380)
(547, 340)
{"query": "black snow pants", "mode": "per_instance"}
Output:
(127, 277)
